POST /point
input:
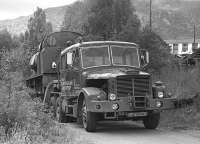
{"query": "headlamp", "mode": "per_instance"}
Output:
(160, 94)
(115, 106)
(158, 104)
(112, 96)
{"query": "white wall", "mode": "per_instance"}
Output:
(180, 45)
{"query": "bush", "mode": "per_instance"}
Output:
(183, 83)
(25, 121)
(159, 52)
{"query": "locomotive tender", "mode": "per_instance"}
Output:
(98, 80)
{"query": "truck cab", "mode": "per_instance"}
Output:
(104, 80)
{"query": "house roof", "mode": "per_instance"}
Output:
(181, 41)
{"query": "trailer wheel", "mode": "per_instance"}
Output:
(60, 116)
(59, 113)
(152, 121)
(53, 105)
(88, 118)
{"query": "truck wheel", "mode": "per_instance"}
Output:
(152, 121)
(88, 119)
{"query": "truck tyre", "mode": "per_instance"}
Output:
(152, 121)
(88, 118)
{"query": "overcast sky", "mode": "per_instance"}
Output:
(10, 9)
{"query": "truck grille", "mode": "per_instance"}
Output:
(136, 86)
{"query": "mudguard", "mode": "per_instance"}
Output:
(90, 93)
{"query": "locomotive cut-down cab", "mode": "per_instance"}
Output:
(44, 62)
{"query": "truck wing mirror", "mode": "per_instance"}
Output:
(144, 57)
(69, 58)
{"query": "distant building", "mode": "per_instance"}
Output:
(184, 46)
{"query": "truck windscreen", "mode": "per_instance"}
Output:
(95, 56)
(126, 56)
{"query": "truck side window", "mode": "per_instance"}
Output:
(62, 62)
(76, 58)
(68, 60)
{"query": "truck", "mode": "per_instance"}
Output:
(94, 81)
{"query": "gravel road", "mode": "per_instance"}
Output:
(132, 133)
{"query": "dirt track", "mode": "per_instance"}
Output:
(131, 133)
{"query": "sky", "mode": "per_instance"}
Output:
(10, 9)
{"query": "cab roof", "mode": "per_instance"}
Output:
(98, 43)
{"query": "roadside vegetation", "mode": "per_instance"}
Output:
(24, 120)
(183, 83)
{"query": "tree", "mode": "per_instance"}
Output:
(38, 28)
(158, 49)
(112, 20)
(75, 16)
(5, 41)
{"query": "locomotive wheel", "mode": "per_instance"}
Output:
(152, 121)
(88, 118)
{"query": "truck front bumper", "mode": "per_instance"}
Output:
(126, 105)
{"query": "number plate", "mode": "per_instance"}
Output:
(137, 114)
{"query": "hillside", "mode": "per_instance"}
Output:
(16, 26)
(172, 19)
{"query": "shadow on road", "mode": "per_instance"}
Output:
(123, 127)
(119, 127)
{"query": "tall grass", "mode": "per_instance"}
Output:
(182, 82)
(25, 121)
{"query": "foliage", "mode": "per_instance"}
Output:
(171, 19)
(6, 40)
(75, 16)
(112, 19)
(38, 28)
(182, 82)
(22, 119)
(158, 50)
(103, 20)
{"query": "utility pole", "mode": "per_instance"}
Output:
(194, 33)
(150, 16)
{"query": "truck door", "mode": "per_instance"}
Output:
(71, 73)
